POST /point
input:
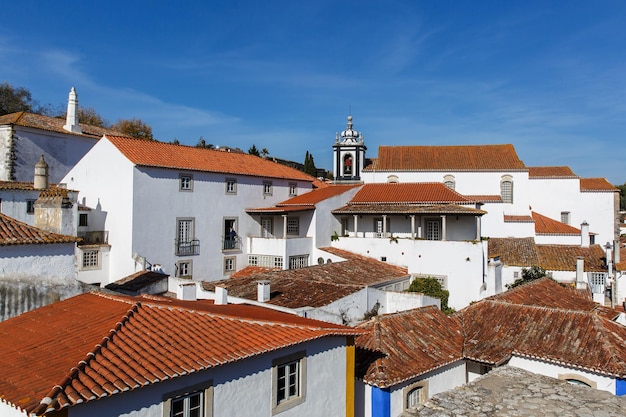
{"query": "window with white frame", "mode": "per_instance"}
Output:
(90, 259)
(267, 188)
(298, 261)
(196, 401)
(565, 217)
(231, 186)
(30, 206)
(185, 182)
(449, 181)
(293, 189)
(229, 264)
(433, 229)
(293, 226)
(506, 189)
(186, 243)
(184, 269)
(288, 382)
(415, 394)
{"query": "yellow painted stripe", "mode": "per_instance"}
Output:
(350, 369)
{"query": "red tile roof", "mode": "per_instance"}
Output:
(525, 253)
(52, 124)
(98, 345)
(14, 232)
(596, 184)
(315, 286)
(412, 343)
(547, 226)
(304, 202)
(550, 172)
(166, 155)
(447, 158)
(485, 198)
(497, 330)
(408, 193)
(517, 219)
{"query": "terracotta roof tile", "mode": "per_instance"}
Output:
(485, 198)
(508, 218)
(547, 226)
(315, 286)
(166, 155)
(100, 345)
(514, 251)
(550, 172)
(596, 184)
(136, 281)
(413, 193)
(53, 124)
(318, 195)
(14, 232)
(447, 158)
(412, 343)
(407, 209)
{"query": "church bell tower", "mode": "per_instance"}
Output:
(348, 155)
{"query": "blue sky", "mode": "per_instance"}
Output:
(546, 76)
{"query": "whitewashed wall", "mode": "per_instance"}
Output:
(14, 204)
(52, 262)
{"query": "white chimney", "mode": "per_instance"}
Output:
(263, 291)
(580, 273)
(221, 295)
(41, 175)
(584, 234)
(71, 121)
(186, 292)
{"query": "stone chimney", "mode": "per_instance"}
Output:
(580, 273)
(71, 121)
(263, 291)
(584, 234)
(221, 295)
(41, 175)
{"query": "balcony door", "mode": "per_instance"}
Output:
(267, 228)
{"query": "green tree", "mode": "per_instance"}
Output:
(254, 151)
(622, 196)
(309, 165)
(264, 152)
(89, 116)
(528, 275)
(431, 287)
(14, 99)
(134, 127)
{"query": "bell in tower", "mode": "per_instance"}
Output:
(348, 155)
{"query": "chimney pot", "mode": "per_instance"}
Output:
(263, 291)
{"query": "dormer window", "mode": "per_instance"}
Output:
(449, 182)
(185, 182)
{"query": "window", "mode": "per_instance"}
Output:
(82, 219)
(195, 401)
(293, 226)
(184, 269)
(229, 264)
(231, 186)
(267, 188)
(449, 182)
(186, 244)
(231, 239)
(347, 164)
(266, 228)
(506, 189)
(298, 261)
(379, 231)
(415, 394)
(90, 259)
(186, 182)
(433, 229)
(288, 382)
(293, 189)
(344, 227)
(266, 261)
(393, 179)
(565, 217)
(30, 206)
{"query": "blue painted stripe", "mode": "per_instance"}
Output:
(381, 402)
(620, 386)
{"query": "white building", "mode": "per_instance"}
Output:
(97, 355)
(178, 207)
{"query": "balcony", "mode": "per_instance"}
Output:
(94, 237)
(231, 243)
(186, 248)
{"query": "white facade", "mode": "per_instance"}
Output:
(19, 204)
(143, 207)
(51, 263)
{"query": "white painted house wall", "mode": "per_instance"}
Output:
(52, 263)
(325, 387)
(603, 383)
(13, 203)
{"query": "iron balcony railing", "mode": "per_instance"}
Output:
(188, 247)
(94, 237)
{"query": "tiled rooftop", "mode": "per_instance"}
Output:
(52, 124)
(447, 158)
(412, 343)
(304, 202)
(166, 155)
(525, 253)
(550, 172)
(547, 226)
(597, 185)
(100, 345)
(315, 286)
(408, 193)
(407, 209)
(14, 232)
(508, 218)
(136, 281)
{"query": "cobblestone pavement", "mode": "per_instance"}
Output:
(509, 391)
